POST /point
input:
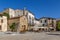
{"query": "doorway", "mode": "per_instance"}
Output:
(24, 27)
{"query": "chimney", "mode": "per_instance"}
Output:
(24, 10)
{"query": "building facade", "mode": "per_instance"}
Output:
(48, 22)
(3, 23)
(30, 17)
(10, 11)
(21, 23)
(37, 22)
(16, 13)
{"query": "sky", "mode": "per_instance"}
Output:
(40, 8)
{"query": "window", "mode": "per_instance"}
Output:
(11, 15)
(43, 25)
(26, 14)
(18, 15)
(2, 21)
(33, 21)
(45, 21)
(41, 21)
(0, 27)
(29, 19)
(52, 23)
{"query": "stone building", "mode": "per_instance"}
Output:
(21, 23)
(16, 13)
(3, 23)
(10, 11)
(48, 22)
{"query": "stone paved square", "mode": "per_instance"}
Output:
(32, 36)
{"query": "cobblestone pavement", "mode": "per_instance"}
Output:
(32, 36)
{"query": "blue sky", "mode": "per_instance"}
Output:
(46, 8)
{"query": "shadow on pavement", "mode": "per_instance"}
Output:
(54, 34)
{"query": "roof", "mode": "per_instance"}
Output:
(47, 18)
(30, 12)
(15, 17)
(58, 19)
(20, 10)
(36, 19)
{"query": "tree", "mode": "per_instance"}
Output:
(6, 14)
(12, 27)
(58, 26)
